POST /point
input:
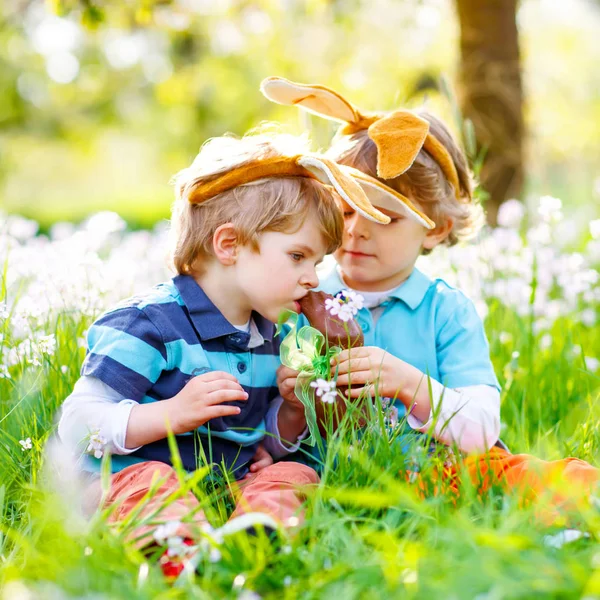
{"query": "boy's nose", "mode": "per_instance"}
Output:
(357, 226)
(310, 279)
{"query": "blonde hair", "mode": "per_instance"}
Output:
(424, 182)
(270, 204)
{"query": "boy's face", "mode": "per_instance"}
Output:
(283, 271)
(375, 257)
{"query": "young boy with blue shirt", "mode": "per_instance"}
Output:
(197, 355)
(425, 344)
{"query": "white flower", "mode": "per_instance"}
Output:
(546, 341)
(510, 214)
(505, 337)
(332, 306)
(4, 373)
(26, 444)
(345, 305)
(595, 229)
(165, 531)
(325, 390)
(591, 364)
(96, 444)
(550, 209)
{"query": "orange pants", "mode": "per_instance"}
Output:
(276, 490)
(552, 486)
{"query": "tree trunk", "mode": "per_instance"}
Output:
(491, 94)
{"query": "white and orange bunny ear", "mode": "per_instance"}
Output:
(328, 172)
(317, 99)
(304, 165)
(399, 136)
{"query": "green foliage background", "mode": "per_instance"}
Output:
(145, 83)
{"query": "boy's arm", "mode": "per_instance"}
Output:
(94, 406)
(282, 427)
(126, 351)
(467, 406)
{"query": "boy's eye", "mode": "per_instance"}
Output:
(296, 256)
(348, 214)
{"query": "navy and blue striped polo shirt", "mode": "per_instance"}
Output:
(150, 346)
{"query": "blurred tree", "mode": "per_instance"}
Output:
(491, 94)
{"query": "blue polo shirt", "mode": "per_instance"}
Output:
(430, 325)
(150, 346)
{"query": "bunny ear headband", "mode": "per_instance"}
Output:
(398, 136)
(303, 165)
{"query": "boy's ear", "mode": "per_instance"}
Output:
(225, 244)
(439, 234)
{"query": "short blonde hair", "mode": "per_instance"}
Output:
(424, 182)
(269, 204)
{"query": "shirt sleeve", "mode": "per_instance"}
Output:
(95, 407)
(462, 349)
(272, 441)
(125, 351)
(468, 417)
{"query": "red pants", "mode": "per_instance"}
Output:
(277, 491)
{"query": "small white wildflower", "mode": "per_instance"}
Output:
(249, 595)
(165, 531)
(47, 344)
(346, 312)
(4, 372)
(64, 369)
(505, 337)
(510, 214)
(515, 355)
(239, 581)
(293, 522)
(588, 317)
(322, 386)
(546, 341)
(332, 306)
(96, 444)
(329, 397)
(177, 548)
(287, 549)
(550, 209)
(26, 444)
(392, 417)
(287, 580)
(595, 229)
(345, 305)
(591, 364)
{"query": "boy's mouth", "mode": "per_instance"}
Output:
(356, 254)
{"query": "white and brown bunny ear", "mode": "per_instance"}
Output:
(399, 136)
(317, 99)
(303, 165)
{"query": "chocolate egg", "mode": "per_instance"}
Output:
(345, 335)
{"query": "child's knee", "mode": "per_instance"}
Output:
(290, 472)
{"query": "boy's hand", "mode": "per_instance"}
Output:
(373, 366)
(286, 382)
(201, 400)
(260, 461)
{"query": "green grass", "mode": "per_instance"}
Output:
(367, 534)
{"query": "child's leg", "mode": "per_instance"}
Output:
(278, 491)
(129, 486)
(554, 486)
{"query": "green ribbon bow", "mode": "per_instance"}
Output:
(301, 350)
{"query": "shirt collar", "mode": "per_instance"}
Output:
(209, 321)
(411, 291)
